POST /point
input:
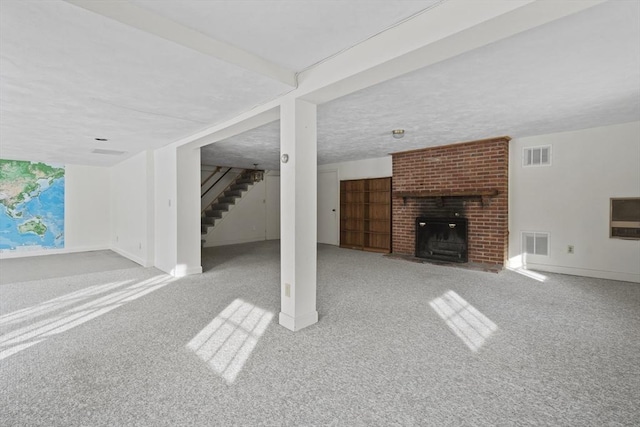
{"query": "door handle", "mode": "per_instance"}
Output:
(333, 210)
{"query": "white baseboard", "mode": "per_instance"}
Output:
(41, 252)
(132, 257)
(296, 323)
(600, 274)
(185, 270)
(257, 238)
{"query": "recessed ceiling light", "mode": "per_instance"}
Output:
(101, 139)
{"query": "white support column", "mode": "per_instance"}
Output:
(298, 214)
(188, 212)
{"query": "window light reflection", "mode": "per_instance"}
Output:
(471, 326)
(226, 343)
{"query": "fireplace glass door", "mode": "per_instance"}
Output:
(443, 239)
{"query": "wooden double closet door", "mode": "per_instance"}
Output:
(365, 214)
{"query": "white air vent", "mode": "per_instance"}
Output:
(108, 152)
(536, 156)
(535, 243)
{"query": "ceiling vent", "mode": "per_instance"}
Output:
(108, 152)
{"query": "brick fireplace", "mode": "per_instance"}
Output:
(467, 180)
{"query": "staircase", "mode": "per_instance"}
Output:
(224, 202)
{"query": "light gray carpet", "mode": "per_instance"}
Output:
(560, 352)
(14, 270)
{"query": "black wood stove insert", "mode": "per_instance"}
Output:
(443, 239)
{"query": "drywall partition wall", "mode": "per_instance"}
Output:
(165, 214)
(328, 207)
(272, 203)
(132, 208)
(86, 212)
(177, 210)
(569, 200)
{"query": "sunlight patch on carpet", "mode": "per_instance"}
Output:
(22, 338)
(471, 326)
(530, 274)
(226, 343)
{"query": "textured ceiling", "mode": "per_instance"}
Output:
(293, 33)
(578, 72)
(260, 145)
(69, 75)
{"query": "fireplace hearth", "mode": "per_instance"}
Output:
(443, 239)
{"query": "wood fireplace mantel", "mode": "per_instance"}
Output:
(483, 194)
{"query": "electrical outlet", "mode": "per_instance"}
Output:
(570, 249)
(287, 290)
(139, 245)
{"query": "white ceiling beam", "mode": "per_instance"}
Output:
(452, 28)
(250, 120)
(147, 21)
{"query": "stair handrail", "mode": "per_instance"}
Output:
(209, 177)
(214, 184)
(225, 189)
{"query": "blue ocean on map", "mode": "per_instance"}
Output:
(49, 205)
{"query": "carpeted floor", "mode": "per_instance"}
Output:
(398, 343)
(60, 265)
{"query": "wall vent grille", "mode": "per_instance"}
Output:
(536, 156)
(535, 243)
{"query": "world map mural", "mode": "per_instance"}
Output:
(32, 206)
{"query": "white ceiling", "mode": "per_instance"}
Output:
(577, 72)
(69, 75)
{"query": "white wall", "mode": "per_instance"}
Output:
(132, 206)
(328, 207)
(380, 167)
(570, 200)
(272, 203)
(86, 212)
(255, 216)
